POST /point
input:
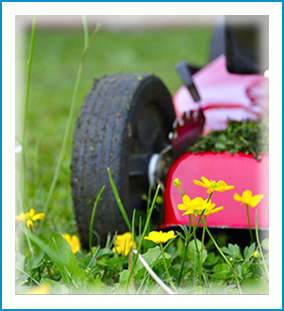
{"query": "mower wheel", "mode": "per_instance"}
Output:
(124, 120)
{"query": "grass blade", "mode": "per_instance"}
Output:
(92, 218)
(259, 246)
(143, 235)
(23, 142)
(119, 203)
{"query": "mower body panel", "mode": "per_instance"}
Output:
(224, 96)
(239, 170)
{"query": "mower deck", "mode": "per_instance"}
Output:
(240, 170)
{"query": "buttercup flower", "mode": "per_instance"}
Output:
(248, 199)
(212, 185)
(29, 217)
(123, 244)
(73, 241)
(197, 205)
(160, 237)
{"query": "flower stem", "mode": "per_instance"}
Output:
(224, 257)
(259, 246)
(182, 194)
(210, 195)
(250, 232)
(197, 251)
(185, 249)
(203, 236)
(165, 264)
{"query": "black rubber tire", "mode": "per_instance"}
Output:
(124, 120)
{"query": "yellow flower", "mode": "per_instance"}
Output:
(248, 199)
(29, 217)
(40, 290)
(212, 185)
(197, 205)
(123, 244)
(160, 237)
(73, 241)
(177, 182)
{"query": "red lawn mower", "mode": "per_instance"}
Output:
(132, 125)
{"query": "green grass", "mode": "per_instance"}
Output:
(54, 68)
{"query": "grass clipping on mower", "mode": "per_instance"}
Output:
(249, 137)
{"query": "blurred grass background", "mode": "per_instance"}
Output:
(56, 59)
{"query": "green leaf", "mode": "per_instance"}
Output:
(265, 244)
(72, 273)
(123, 278)
(211, 260)
(153, 255)
(192, 254)
(19, 263)
(222, 271)
(250, 137)
(248, 251)
(233, 251)
(35, 262)
(19, 260)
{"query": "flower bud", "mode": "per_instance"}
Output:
(159, 200)
(256, 254)
(177, 182)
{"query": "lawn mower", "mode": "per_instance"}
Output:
(132, 125)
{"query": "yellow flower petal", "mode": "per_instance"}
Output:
(216, 210)
(199, 183)
(160, 237)
(123, 243)
(186, 199)
(221, 183)
(189, 211)
(247, 196)
(248, 199)
(255, 200)
(32, 212)
(67, 237)
(220, 186)
(75, 244)
(20, 217)
(182, 207)
(29, 223)
(38, 216)
(73, 241)
(206, 181)
(237, 197)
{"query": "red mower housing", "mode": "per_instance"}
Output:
(224, 96)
